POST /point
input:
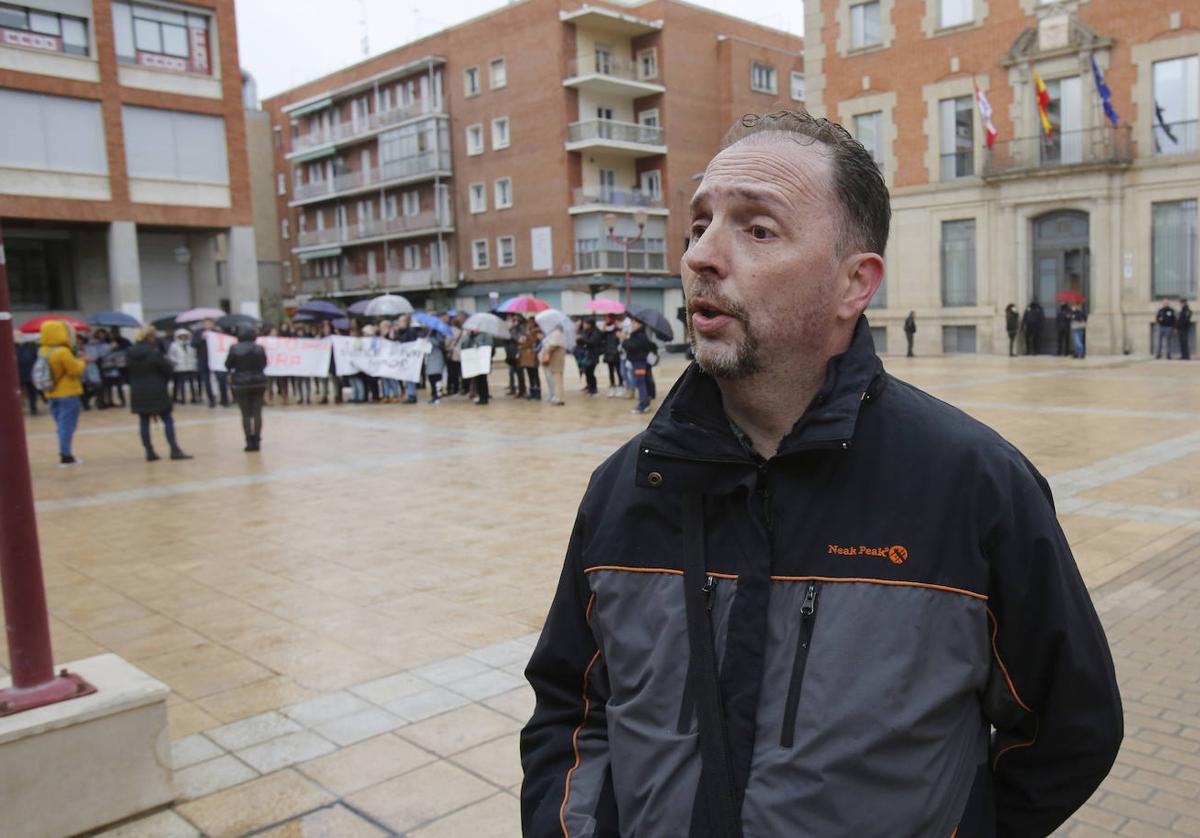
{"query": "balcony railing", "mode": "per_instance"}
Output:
(602, 255)
(376, 229)
(1176, 138)
(403, 279)
(1091, 146)
(606, 65)
(610, 129)
(618, 198)
(346, 130)
(425, 163)
(958, 164)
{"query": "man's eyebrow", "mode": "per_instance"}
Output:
(761, 197)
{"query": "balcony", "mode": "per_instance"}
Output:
(409, 226)
(615, 200)
(605, 75)
(625, 139)
(593, 255)
(1175, 138)
(1104, 146)
(355, 282)
(407, 170)
(350, 132)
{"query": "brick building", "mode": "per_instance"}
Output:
(491, 158)
(1109, 212)
(123, 171)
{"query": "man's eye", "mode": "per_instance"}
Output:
(760, 232)
(698, 230)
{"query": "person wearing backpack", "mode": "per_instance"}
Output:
(27, 354)
(57, 373)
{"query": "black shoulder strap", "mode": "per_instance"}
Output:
(716, 771)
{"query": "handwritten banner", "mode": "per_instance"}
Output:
(379, 358)
(477, 360)
(301, 357)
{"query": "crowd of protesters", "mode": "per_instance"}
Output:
(163, 371)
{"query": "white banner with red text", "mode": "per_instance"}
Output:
(301, 357)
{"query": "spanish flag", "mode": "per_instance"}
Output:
(1043, 100)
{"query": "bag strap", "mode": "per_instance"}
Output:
(716, 765)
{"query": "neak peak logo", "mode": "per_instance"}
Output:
(896, 554)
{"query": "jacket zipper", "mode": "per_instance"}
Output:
(808, 614)
(687, 707)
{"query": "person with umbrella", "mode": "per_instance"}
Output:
(435, 361)
(66, 371)
(149, 373)
(248, 362)
(472, 339)
(638, 347)
(183, 359)
(527, 359)
(200, 346)
(554, 359)
(454, 381)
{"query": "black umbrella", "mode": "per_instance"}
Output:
(113, 319)
(655, 322)
(231, 322)
(165, 324)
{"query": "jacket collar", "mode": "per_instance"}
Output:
(692, 424)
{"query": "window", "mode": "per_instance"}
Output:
(608, 185)
(173, 145)
(281, 183)
(762, 77)
(954, 12)
(1065, 112)
(40, 272)
(798, 89)
(25, 27)
(652, 184)
(474, 139)
(500, 132)
(864, 25)
(52, 133)
(957, 131)
(471, 81)
(390, 208)
(1176, 105)
(868, 130)
(647, 63)
(1173, 249)
(958, 340)
(165, 38)
(479, 254)
(412, 204)
(506, 251)
(498, 70)
(283, 228)
(277, 132)
(412, 257)
(477, 192)
(503, 192)
(958, 263)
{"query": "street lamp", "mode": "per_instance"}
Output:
(610, 221)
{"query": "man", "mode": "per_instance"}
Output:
(1012, 324)
(1165, 318)
(1062, 329)
(910, 329)
(1183, 325)
(638, 347)
(1031, 324)
(801, 599)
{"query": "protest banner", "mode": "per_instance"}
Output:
(379, 358)
(301, 357)
(476, 361)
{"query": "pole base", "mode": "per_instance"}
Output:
(66, 686)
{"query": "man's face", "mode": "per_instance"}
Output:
(761, 272)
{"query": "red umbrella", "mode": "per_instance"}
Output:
(605, 306)
(1070, 297)
(523, 305)
(32, 327)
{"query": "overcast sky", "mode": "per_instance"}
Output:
(284, 43)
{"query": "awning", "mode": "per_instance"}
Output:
(313, 155)
(323, 253)
(312, 106)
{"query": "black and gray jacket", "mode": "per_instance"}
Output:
(905, 645)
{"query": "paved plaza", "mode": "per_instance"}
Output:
(343, 618)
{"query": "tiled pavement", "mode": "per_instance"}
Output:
(343, 619)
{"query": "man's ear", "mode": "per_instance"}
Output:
(862, 276)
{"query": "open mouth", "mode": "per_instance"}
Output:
(707, 318)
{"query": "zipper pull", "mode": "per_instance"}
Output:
(809, 607)
(709, 585)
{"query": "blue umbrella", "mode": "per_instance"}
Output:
(321, 310)
(430, 322)
(113, 320)
(359, 308)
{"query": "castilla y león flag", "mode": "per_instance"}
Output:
(985, 111)
(1043, 100)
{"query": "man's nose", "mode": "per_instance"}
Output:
(707, 255)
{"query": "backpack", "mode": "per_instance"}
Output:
(42, 375)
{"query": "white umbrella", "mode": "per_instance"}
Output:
(388, 305)
(488, 324)
(552, 319)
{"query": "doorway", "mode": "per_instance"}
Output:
(1061, 265)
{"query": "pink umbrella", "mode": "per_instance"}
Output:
(605, 306)
(195, 315)
(523, 305)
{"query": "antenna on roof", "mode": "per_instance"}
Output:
(362, 21)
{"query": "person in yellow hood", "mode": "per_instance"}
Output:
(58, 348)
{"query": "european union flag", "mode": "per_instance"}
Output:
(1105, 94)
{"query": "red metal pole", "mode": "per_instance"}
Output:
(27, 625)
(628, 292)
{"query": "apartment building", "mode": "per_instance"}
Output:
(123, 169)
(1067, 200)
(519, 152)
